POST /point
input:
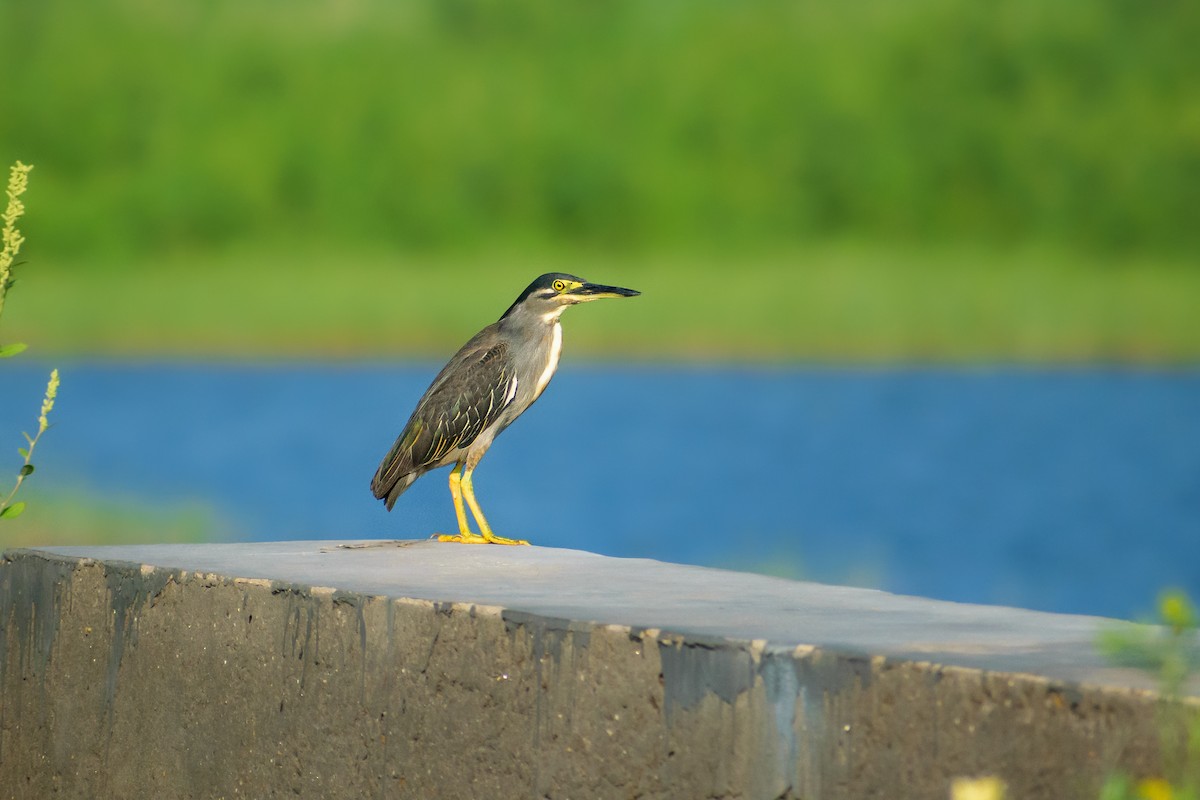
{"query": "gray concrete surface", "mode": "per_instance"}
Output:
(419, 669)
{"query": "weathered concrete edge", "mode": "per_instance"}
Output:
(758, 649)
(799, 683)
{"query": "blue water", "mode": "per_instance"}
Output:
(1066, 490)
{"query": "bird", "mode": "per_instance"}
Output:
(482, 390)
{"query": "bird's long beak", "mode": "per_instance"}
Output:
(587, 292)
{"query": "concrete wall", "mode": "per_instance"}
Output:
(124, 679)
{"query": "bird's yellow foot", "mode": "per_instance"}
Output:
(465, 538)
(473, 538)
(494, 539)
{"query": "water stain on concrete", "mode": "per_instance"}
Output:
(695, 667)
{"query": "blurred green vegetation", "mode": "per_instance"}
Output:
(290, 156)
(1171, 652)
(80, 517)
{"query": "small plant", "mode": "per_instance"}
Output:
(1171, 652)
(18, 181)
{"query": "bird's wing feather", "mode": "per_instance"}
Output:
(465, 398)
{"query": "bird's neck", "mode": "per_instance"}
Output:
(524, 318)
(544, 329)
(552, 360)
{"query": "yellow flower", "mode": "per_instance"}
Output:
(18, 182)
(10, 237)
(1154, 789)
(989, 788)
(48, 401)
(1177, 611)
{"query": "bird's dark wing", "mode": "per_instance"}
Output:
(465, 398)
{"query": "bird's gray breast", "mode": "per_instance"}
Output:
(535, 361)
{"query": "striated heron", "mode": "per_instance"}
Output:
(488, 384)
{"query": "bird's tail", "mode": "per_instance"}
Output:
(387, 488)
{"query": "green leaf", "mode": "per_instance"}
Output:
(13, 511)
(10, 350)
(26, 469)
(24, 453)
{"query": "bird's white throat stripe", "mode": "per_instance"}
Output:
(553, 314)
(552, 362)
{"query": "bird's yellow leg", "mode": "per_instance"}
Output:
(456, 493)
(468, 491)
(465, 534)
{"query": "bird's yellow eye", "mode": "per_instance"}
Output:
(559, 286)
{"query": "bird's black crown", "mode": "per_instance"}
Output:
(541, 282)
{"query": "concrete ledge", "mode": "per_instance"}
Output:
(425, 670)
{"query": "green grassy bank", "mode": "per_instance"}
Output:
(63, 517)
(834, 303)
